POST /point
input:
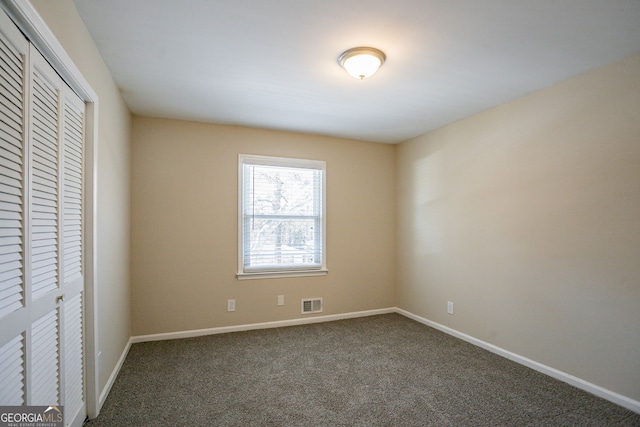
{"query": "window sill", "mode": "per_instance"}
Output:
(279, 274)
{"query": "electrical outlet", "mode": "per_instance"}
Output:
(280, 299)
(231, 305)
(450, 307)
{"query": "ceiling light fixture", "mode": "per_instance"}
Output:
(362, 62)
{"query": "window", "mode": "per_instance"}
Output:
(281, 217)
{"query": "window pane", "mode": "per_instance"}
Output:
(276, 242)
(282, 214)
(281, 191)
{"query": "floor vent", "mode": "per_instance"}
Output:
(311, 305)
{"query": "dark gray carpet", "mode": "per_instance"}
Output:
(375, 371)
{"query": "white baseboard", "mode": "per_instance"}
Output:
(114, 374)
(264, 325)
(602, 392)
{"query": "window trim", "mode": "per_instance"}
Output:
(282, 162)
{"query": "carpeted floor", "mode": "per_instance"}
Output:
(374, 371)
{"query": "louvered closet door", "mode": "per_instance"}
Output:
(41, 252)
(14, 71)
(72, 179)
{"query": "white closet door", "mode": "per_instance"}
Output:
(41, 239)
(43, 353)
(72, 176)
(14, 73)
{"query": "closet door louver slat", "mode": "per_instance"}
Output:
(45, 363)
(12, 372)
(12, 64)
(44, 194)
(74, 369)
(72, 189)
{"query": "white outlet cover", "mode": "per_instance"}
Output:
(450, 307)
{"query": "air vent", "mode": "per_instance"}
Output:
(311, 305)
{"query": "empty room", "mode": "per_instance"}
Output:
(320, 213)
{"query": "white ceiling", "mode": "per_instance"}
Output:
(272, 63)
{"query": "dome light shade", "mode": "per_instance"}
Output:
(361, 62)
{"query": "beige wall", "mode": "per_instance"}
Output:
(527, 216)
(185, 228)
(113, 176)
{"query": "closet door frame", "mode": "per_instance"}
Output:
(31, 24)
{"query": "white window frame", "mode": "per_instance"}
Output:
(285, 271)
